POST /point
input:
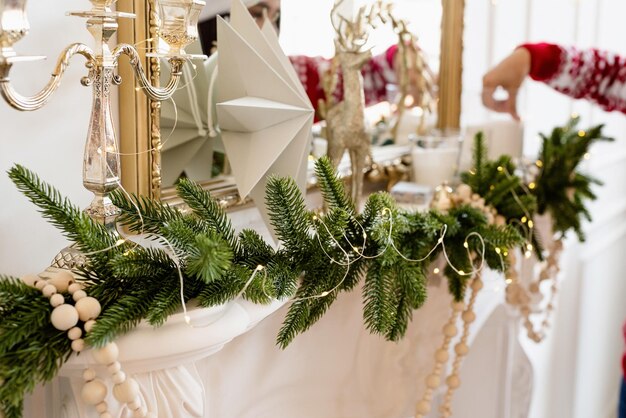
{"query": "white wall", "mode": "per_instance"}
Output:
(49, 142)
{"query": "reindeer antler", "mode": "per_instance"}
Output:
(352, 35)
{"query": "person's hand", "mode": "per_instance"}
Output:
(509, 75)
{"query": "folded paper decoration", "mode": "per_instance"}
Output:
(263, 112)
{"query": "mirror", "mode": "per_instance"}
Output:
(180, 142)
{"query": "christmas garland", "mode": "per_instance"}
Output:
(321, 254)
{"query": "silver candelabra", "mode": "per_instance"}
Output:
(101, 170)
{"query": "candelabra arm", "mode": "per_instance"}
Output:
(37, 101)
(155, 93)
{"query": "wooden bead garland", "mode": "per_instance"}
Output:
(433, 381)
(518, 296)
(65, 317)
(461, 349)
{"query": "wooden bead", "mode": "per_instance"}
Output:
(469, 317)
(450, 330)
(89, 325)
(106, 415)
(464, 191)
(40, 284)
(74, 333)
(102, 407)
(119, 377)
(89, 375)
(500, 220)
(453, 381)
(458, 306)
(64, 317)
(127, 391)
(57, 300)
(94, 392)
(442, 355)
(114, 367)
(30, 279)
(461, 349)
(107, 354)
(136, 404)
(78, 295)
(433, 381)
(78, 345)
(141, 412)
(88, 308)
(423, 407)
(477, 284)
(74, 287)
(62, 280)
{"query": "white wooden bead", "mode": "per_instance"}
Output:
(75, 333)
(469, 317)
(79, 294)
(40, 284)
(94, 392)
(102, 407)
(107, 354)
(57, 300)
(453, 381)
(450, 330)
(64, 317)
(442, 355)
(127, 391)
(433, 381)
(136, 404)
(423, 407)
(119, 377)
(461, 349)
(89, 325)
(74, 287)
(89, 375)
(88, 308)
(114, 367)
(78, 345)
(500, 220)
(62, 280)
(30, 279)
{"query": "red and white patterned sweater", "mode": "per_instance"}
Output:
(377, 74)
(592, 74)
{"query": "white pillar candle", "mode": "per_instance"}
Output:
(501, 137)
(433, 166)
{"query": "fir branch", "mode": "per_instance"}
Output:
(288, 213)
(209, 258)
(331, 186)
(76, 225)
(209, 210)
(150, 218)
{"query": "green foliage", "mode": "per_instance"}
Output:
(561, 189)
(321, 255)
(496, 182)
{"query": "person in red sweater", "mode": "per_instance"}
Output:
(592, 74)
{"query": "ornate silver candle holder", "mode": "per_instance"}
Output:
(101, 170)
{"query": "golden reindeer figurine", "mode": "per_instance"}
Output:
(346, 120)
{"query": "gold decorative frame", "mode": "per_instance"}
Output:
(140, 136)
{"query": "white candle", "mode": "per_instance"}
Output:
(433, 166)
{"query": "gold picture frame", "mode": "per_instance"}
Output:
(139, 118)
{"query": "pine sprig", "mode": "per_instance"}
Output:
(208, 209)
(561, 189)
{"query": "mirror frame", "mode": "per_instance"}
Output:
(139, 117)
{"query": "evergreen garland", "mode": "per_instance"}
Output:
(321, 255)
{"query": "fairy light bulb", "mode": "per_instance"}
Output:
(436, 270)
(119, 242)
(531, 224)
(532, 186)
(500, 168)
(465, 244)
